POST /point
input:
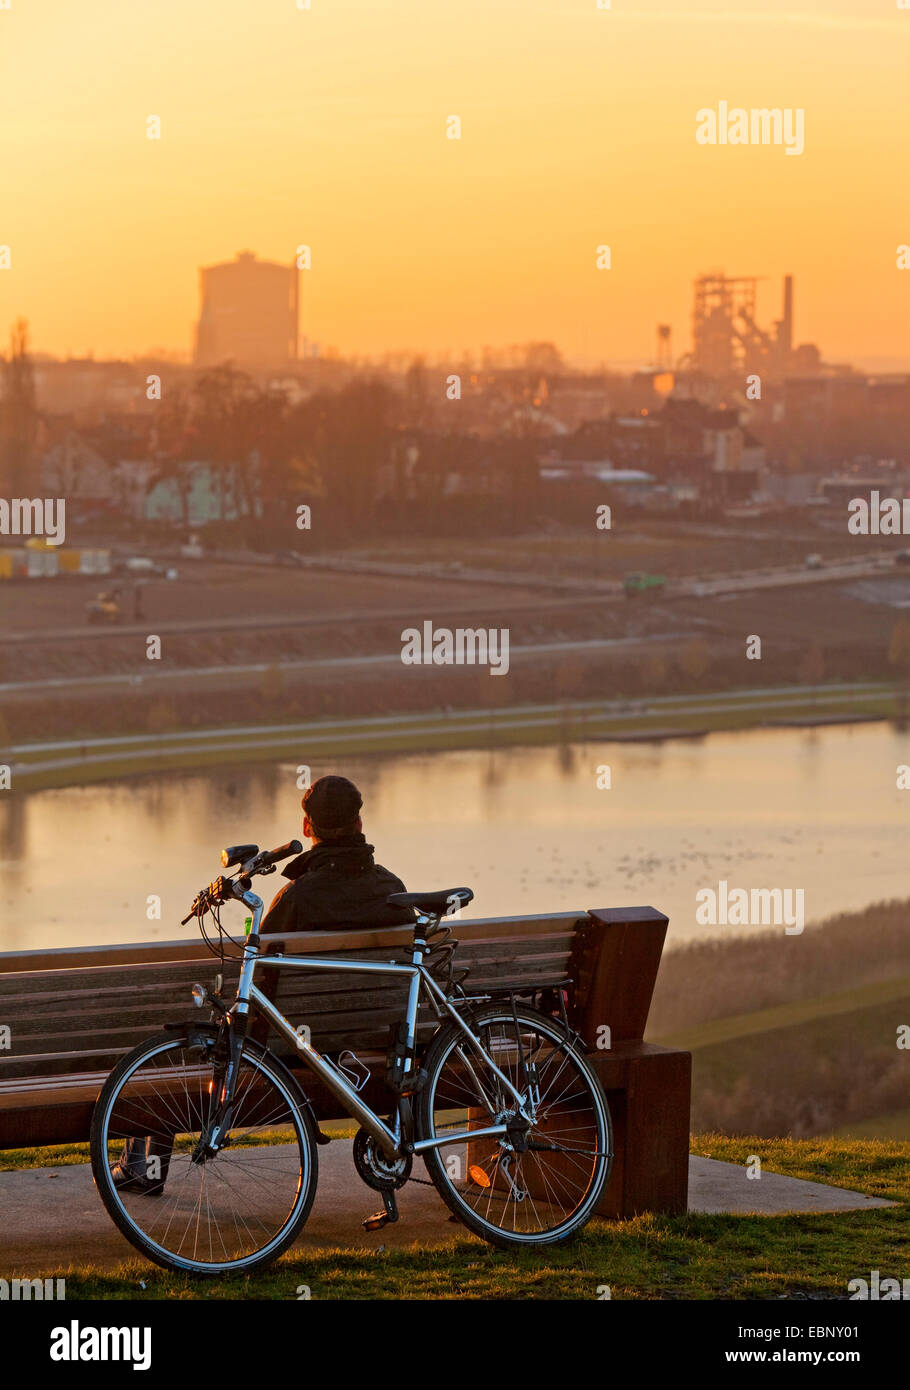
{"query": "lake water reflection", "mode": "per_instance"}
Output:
(527, 829)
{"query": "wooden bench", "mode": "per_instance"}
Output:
(73, 1013)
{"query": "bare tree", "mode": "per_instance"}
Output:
(18, 414)
(812, 668)
(899, 658)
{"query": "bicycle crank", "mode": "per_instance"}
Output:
(382, 1174)
(383, 1218)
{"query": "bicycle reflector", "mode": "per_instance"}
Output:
(479, 1175)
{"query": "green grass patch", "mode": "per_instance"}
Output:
(50, 1156)
(790, 1015)
(824, 1063)
(63, 1155)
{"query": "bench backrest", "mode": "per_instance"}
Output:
(78, 1011)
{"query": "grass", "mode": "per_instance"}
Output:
(893, 1125)
(65, 1155)
(724, 1030)
(650, 1257)
(815, 1066)
(51, 1156)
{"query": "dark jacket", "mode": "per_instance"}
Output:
(336, 884)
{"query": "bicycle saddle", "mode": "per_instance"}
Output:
(435, 904)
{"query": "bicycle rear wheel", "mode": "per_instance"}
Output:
(231, 1213)
(535, 1186)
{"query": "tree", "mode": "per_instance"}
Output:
(899, 658)
(899, 646)
(348, 433)
(694, 658)
(570, 675)
(260, 429)
(417, 408)
(543, 357)
(173, 443)
(655, 672)
(812, 666)
(241, 430)
(18, 414)
(216, 396)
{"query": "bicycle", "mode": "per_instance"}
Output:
(501, 1105)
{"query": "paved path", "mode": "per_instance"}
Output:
(50, 1217)
(720, 1187)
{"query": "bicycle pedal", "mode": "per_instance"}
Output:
(383, 1218)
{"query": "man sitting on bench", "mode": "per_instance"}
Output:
(336, 884)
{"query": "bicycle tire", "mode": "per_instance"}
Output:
(438, 1052)
(280, 1076)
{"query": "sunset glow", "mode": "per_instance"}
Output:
(327, 127)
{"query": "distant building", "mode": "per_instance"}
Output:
(74, 468)
(198, 493)
(728, 341)
(91, 390)
(666, 458)
(842, 488)
(248, 314)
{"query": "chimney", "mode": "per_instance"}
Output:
(785, 327)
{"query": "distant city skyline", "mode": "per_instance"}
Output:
(328, 127)
(249, 315)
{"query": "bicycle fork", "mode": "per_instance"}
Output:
(216, 1128)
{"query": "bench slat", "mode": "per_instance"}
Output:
(34, 989)
(356, 941)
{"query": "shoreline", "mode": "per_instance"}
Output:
(39, 766)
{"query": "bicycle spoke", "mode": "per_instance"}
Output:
(216, 1209)
(532, 1182)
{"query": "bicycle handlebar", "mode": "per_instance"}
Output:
(284, 851)
(261, 862)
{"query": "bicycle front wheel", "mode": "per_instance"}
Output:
(230, 1213)
(541, 1181)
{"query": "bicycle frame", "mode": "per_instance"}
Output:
(390, 1140)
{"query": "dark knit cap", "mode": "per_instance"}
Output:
(332, 803)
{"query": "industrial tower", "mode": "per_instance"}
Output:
(726, 340)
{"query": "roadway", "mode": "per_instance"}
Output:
(560, 594)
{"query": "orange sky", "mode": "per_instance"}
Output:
(327, 126)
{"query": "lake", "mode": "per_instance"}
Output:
(527, 828)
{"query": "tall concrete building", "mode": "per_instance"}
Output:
(248, 313)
